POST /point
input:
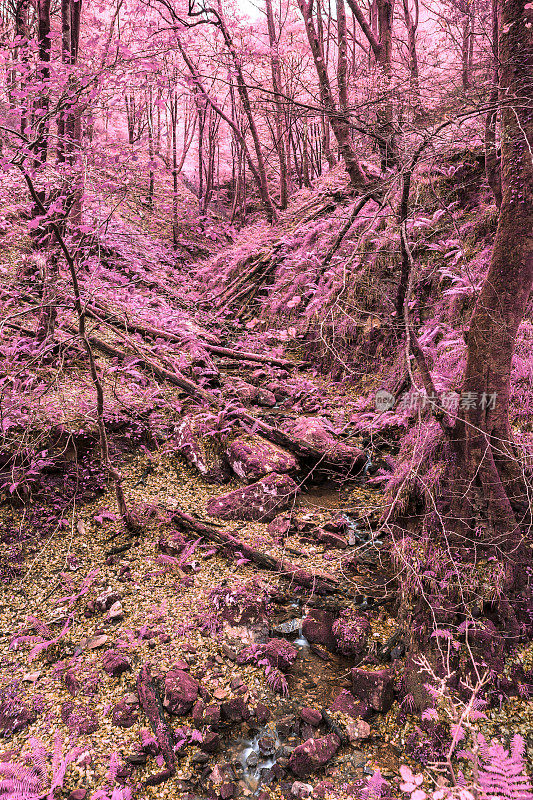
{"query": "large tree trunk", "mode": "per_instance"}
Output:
(278, 111)
(487, 471)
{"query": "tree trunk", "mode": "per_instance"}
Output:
(340, 123)
(492, 161)
(278, 110)
(486, 464)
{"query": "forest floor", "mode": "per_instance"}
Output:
(86, 605)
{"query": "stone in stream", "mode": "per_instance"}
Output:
(201, 450)
(313, 754)
(235, 710)
(181, 692)
(313, 432)
(374, 687)
(258, 501)
(251, 457)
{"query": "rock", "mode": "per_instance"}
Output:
(317, 628)
(374, 687)
(262, 713)
(280, 525)
(72, 684)
(80, 719)
(313, 754)
(200, 450)
(313, 432)
(14, 717)
(210, 742)
(212, 715)
(124, 714)
(78, 794)
(331, 539)
(116, 612)
(346, 703)
(181, 692)
(107, 599)
(235, 710)
(311, 716)
(115, 663)
(96, 642)
(241, 390)
(226, 790)
(351, 631)
(301, 790)
(267, 745)
(258, 501)
(198, 712)
(251, 457)
(265, 398)
(358, 730)
(279, 653)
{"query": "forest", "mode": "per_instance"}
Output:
(266, 399)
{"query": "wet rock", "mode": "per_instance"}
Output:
(346, 703)
(338, 525)
(358, 730)
(317, 628)
(313, 432)
(200, 450)
(313, 754)
(235, 710)
(251, 457)
(14, 717)
(262, 713)
(301, 790)
(210, 742)
(124, 714)
(374, 687)
(351, 631)
(258, 501)
(181, 692)
(107, 599)
(252, 760)
(226, 790)
(312, 716)
(267, 745)
(115, 663)
(200, 758)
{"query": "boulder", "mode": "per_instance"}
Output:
(251, 457)
(181, 692)
(374, 687)
(279, 653)
(313, 754)
(202, 451)
(210, 742)
(347, 704)
(313, 433)
(258, 501)
(317, 627)
(351, 631)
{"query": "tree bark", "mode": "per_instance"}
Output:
(486, 463)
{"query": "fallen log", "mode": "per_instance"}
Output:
(319, 582)
(153, 708)
(174, 377)
(241, 355)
